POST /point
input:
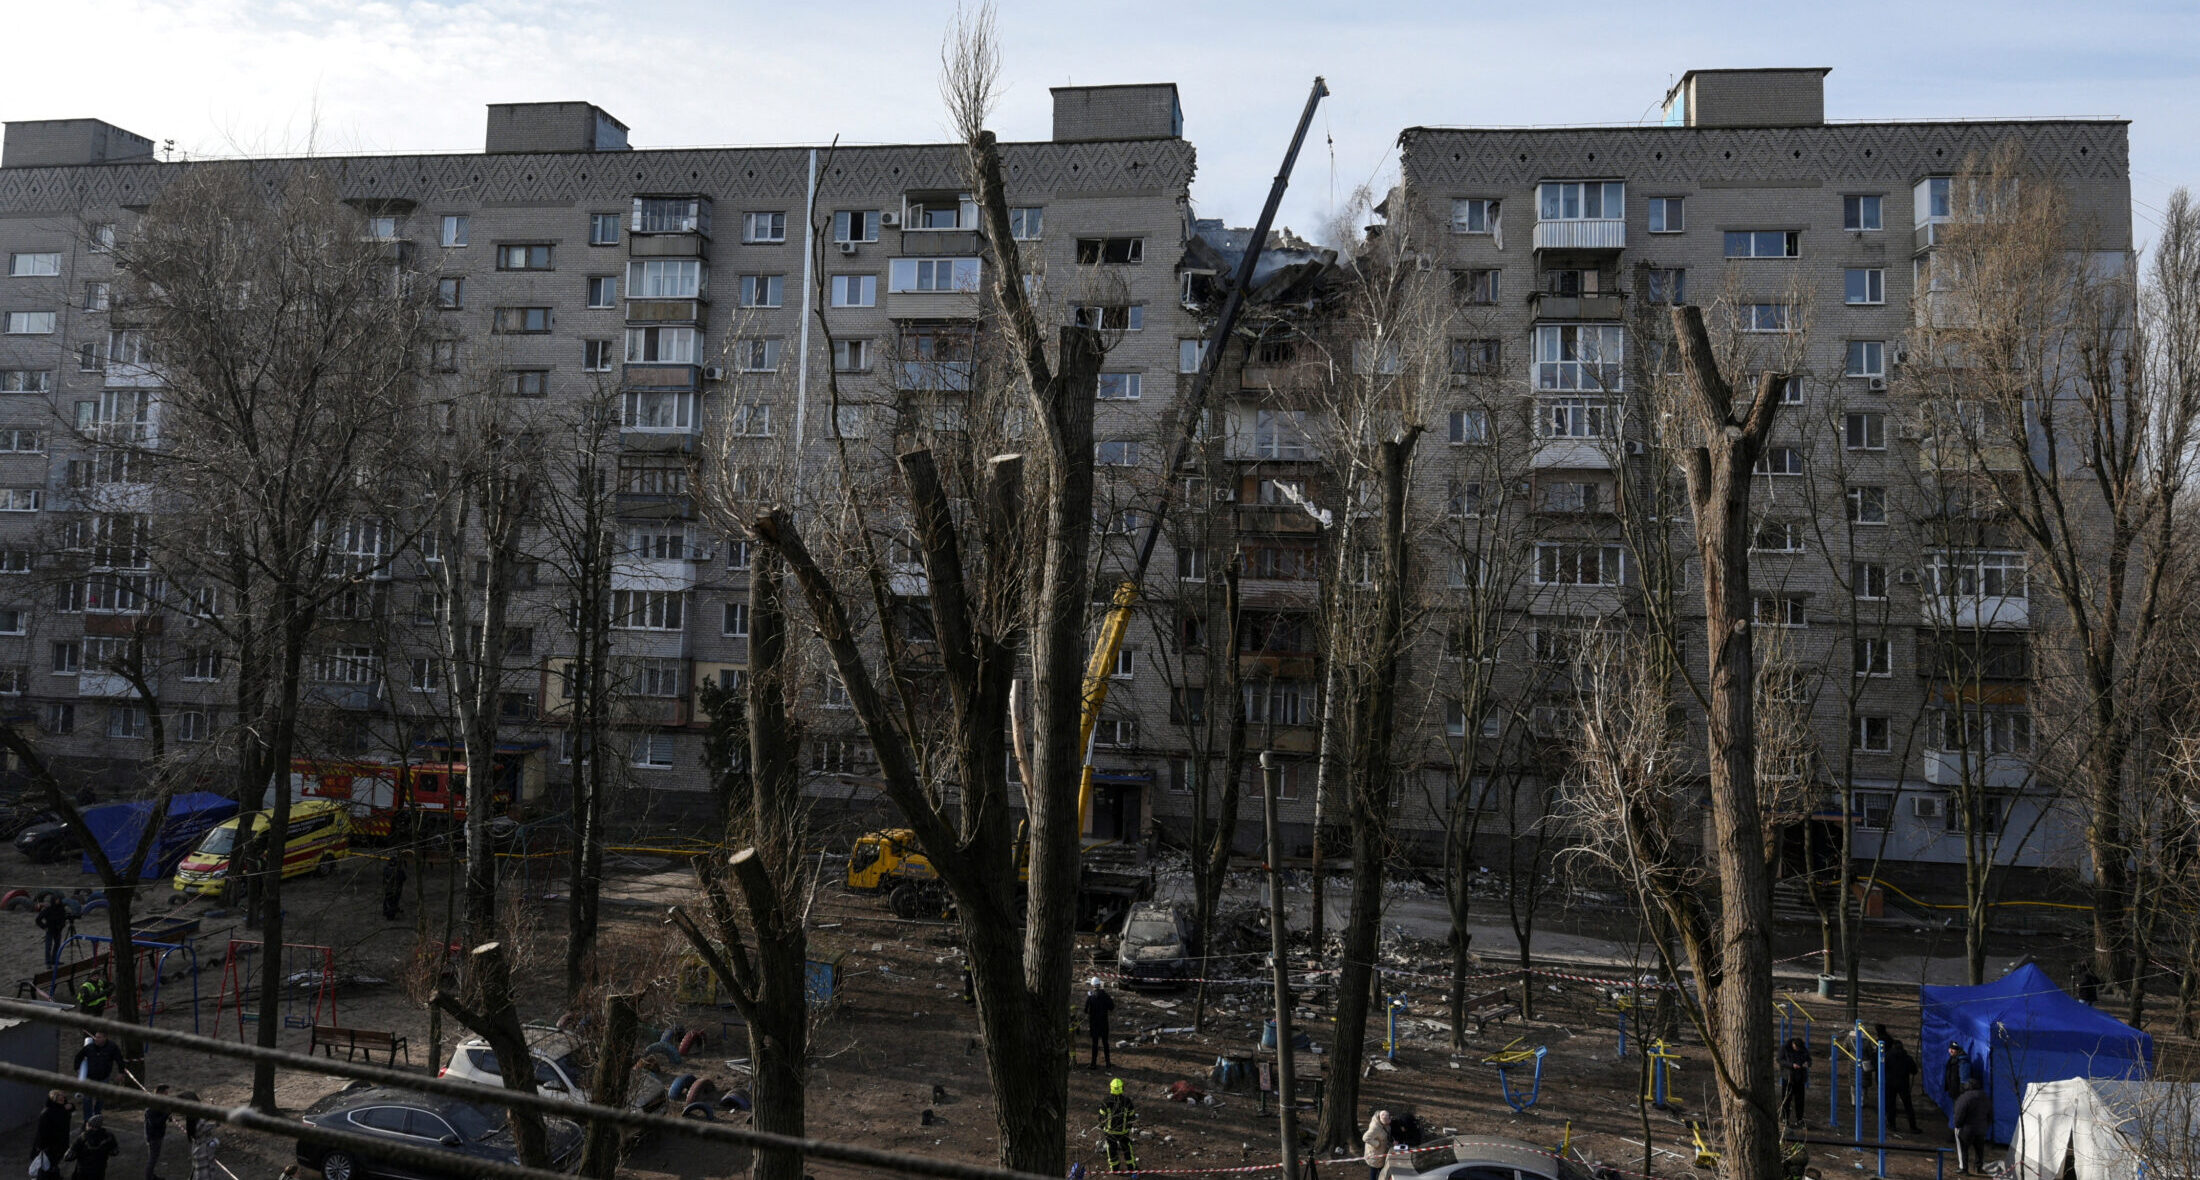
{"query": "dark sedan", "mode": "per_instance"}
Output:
(46, 840)
(462, 1130)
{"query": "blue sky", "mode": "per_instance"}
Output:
(227, 76)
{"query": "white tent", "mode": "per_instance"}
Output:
(2098, 1129)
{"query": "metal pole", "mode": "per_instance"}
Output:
(1287, 1115)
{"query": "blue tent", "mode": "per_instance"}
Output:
(2022, 1029)
(117, 826)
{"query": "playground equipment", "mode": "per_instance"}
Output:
(1507, 1058)
(1662, 1059)
(1396, 1005)
(1790, 1010)
(308, 971)
(1706, 1155)
(1858, 1045)
(152, 966)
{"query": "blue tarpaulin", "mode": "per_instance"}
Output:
(117, 826)
(2022, 1029)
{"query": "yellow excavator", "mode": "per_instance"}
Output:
(890, 861)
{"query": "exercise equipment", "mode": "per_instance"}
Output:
(1506, 1059)
(1662, 1060)
(1706, 1155)
(1396, 1005)
(1858, 1045)
(309, 981)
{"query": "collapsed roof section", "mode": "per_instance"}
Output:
(1288, 274)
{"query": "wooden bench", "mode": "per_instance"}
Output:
(355, 1041)
(1496, 1005)
(43, 983)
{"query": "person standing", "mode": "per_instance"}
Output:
(51, 1139)
(1973, 1121)
(156, 1134)
(1901, 1074)
(393, 887)
(53, 918)
(1955, 1071)
(96, 1062)
(1118, 1124)
(1795, 1059)
(92, 1149)
(1375, 1145)
(1098, 1004)
(204, 1146)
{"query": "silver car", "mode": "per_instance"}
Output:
(1487, 1157)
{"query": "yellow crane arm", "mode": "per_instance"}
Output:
(1099, 673)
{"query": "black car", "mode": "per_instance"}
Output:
(46, 841)
(463, 1130)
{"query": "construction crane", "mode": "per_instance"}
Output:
(1099, 672)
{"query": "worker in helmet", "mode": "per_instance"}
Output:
(1118, 1122)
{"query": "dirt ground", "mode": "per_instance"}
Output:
(899, 1030)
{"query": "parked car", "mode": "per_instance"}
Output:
(1487, 1157)
(466, 1132)
(558, 1070)
(47, 840)
(1158, 946)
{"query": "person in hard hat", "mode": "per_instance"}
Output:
(1118, 1122)
(1098, 1003)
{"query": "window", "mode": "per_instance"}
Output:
(597, 356)
(1777, 536)
(651, 751)
(1780, 461)
(1119, 387)
(751, 420)
(658, 543)
(381, 229)
(1094, 251)
(424, 674)
(646, 610)
(1864, 430)
(1116, 453)
(1288, 563)
(96, 296)
(1867, 505)
(735, 623)
(932, 274)
(1870, 734)
(656, 676)
(1571, 564)
(850, 421)
(1126, 663)
(855, 290)
(851, 356)
(26, 380)
(1119, 732)
(940, 211)
(1572, 417)
(443, 356)
(1476, 286)
(603, 229)
(1191, 633)
(1668, 215)
(450, 293)
(348, 664)
(739, 553)
(1191, 564)
(1469, 426)
(1864, 286)
(1872, 657)
(1579, 356)
(603, 291)
(528, 382)
(15, 679)
(665, 278)
(1189, 354)
(1574, 200)
(658, 409)
(17, 440)
(1111, 318)
(1474, 215)
(67, 657)
(1474, 357)
(455, 226)
(523, 320)
(762, 290)
(855, 225)
(1781, 610)
(15, 561)
(1867, 358)
(1188, 706)
(663, 346)
(1764, 317)
(1791, 392)
(1764, 243)
(22, 499)
(14, 621)
(671, 215)
(764, 227)
(127, 721)
(1860, 212)
(101, 239)
(30, 323)
(1026, 222)
(836, 692)
(26, 266)
(1280, 702)
(531, 256)
(1569, 495)
(1868, 581)
(1980, 731)
(757, 355)
(1665, 285)
(1280, 434)
(1463, 497)
(58, 718)
(1975, 574)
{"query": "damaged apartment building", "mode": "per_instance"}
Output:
(680, 274)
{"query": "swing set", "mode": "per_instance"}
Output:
(152, 964)
(309, 982)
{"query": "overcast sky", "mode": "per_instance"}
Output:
(229, 76)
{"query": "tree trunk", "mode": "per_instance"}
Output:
(591, 589)
(614, 1057)
(494, 1019)
(1215, 833)
(297, 624)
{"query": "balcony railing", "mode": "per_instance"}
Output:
(1602, 233)
(1993, 612)
(1947, 768)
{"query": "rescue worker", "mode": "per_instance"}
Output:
(92, 995)
(393, 887)
(53, 918)
(1118, 1122)
(1098, 1003)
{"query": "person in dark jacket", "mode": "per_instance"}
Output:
(156, 1134)
(53, 918)
(96, 1062)
(92, 1149)
(51, 1139)
(1901, 1075)
(1098, 1004)
(1973, 1120)
(1795, 1059)
(393, 887)
(1954, 1072)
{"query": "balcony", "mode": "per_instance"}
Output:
(1587, 233)
(661, 377)
(1547, 306)
(1584, 454)
(666, 311)
(634, 574)
(125, 375)
(1276, 518)
(111, 686)
(634, 710)
(667, 245)
(1946, 768)
(952, 376)
(932, 305)
(1975, 612)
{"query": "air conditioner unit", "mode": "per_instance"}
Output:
(889, 218)
(1906, 577)
(1225, 495)
(1424, 262)
(847, 247)
(1634, 446)
(1879, 385)
(1900, 355)
(1929, 806)
(714, 372)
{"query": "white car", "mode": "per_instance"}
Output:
(1487, 1157)
(558, 1069)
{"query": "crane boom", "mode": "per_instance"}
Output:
(1101, 669)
